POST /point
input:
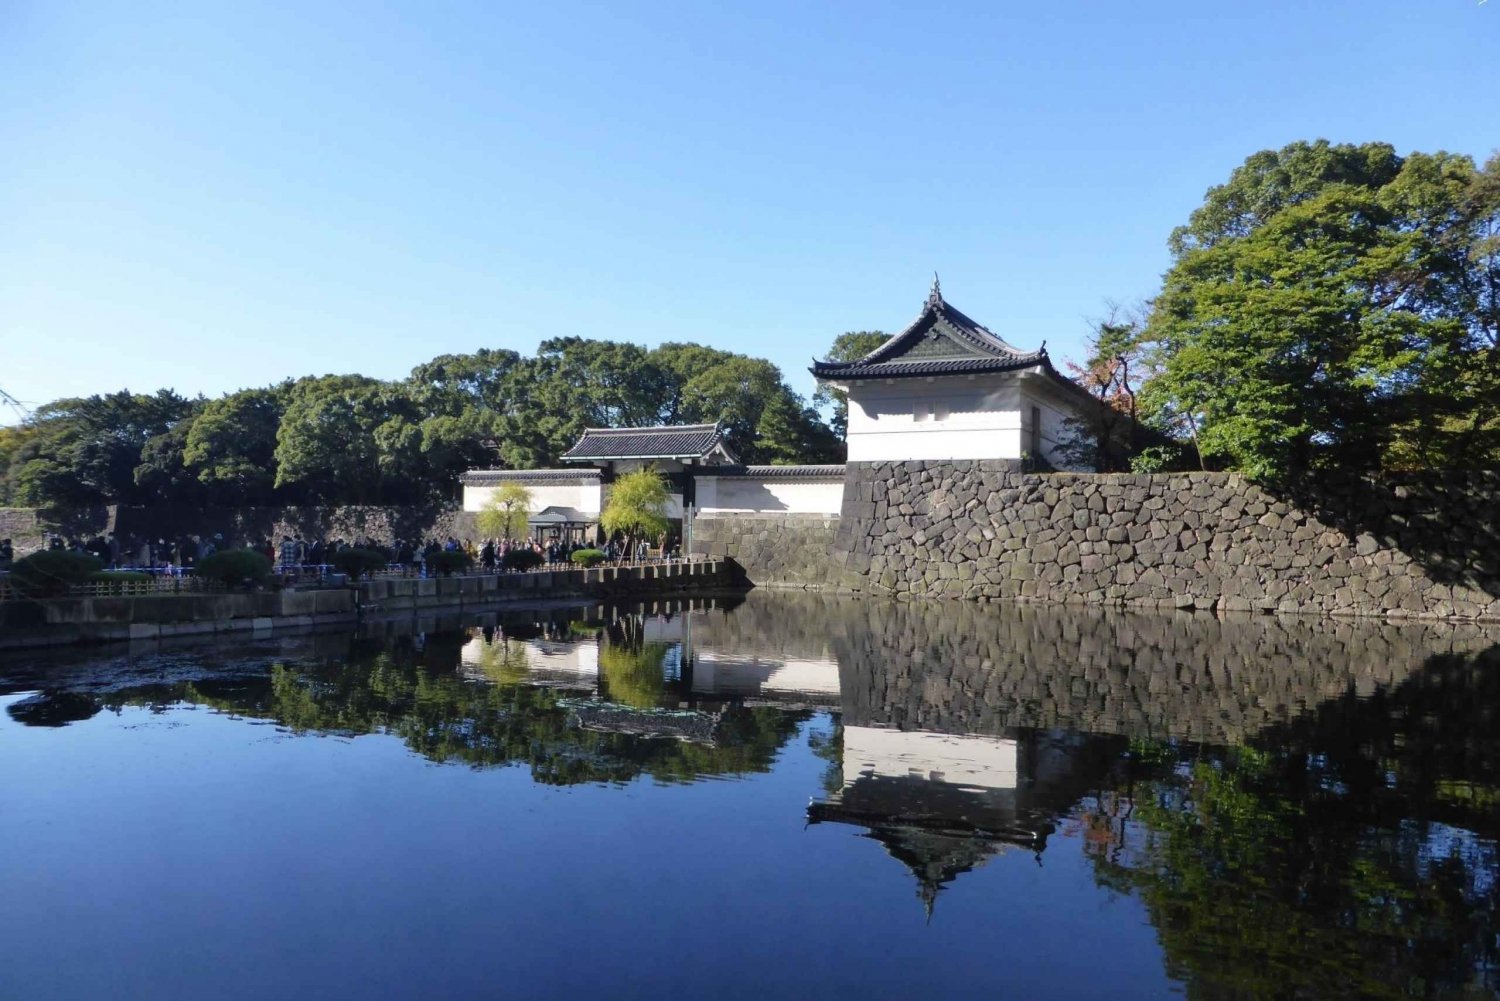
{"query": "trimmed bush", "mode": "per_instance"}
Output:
(49, 573)
(234, 567)
(357, 562)
(587, 557)
(521, 559)
(448, 561)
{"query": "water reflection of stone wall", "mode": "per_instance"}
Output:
(957, 667)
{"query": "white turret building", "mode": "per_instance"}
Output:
(948, 388)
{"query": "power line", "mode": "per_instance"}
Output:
(16, 405)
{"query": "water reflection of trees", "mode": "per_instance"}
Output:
(419, 696)
(1306, 809)
(1350, 852)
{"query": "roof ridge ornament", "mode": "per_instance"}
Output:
(935, 296)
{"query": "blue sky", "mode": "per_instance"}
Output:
(208, 196)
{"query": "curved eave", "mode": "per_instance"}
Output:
(617, 458)
(911, 370)
(776, 472)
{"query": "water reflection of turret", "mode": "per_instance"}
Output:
(944, 804)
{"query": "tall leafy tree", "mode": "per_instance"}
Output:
(848, 346)
(85, 450)
(504, 514)
(636, 507)
(349, 438)
(231, 446)
(1335, 306)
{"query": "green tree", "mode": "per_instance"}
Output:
(504, 514)
(848, 346)
(85, 450)
(351, 439)
(1105, 437)
(637, 507)
(1335, 306)
(162, 475)
(231, 446)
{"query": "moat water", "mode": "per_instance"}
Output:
(768, 797)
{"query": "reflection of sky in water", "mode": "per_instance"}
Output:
(777, 817)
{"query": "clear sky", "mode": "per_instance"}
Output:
(209, 196)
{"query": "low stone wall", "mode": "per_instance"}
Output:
(28, 527)
(1418, 545)
(57, 621)
(60, 621)
(770, 550)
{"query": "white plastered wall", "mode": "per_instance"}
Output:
(958, 417)
(584, 496)
(952, 417)
(750, 495)
(1054, 408)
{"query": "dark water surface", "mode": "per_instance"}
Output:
(779, 796)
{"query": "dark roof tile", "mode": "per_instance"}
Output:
(681, 441)
(941, 341)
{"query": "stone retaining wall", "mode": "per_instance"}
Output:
(28, 527)
(1405, 546)
(770, 550)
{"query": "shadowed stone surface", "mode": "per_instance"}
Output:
(772, 550)
(1422, 545)
(974, 668)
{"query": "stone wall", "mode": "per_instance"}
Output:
(771, 550)
(28, 526)
(1420, 545)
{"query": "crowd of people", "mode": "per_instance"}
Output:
(294, 552)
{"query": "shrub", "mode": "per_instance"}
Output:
(521, 559)
(49, 573)
(121, 576)
(357, 562)
(234, 567)
(448, 561)
(587, 557)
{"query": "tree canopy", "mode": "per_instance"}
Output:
(1335, 305)
(503, 515)
(637, 506)
(354, 439)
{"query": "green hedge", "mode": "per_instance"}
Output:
(447, 562)
(521, 559)
(49, 573)
(357, 562)
(235, 567)
(587, 557)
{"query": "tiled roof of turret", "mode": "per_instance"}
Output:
(483, 477)
(679, 441)
(941, 341)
